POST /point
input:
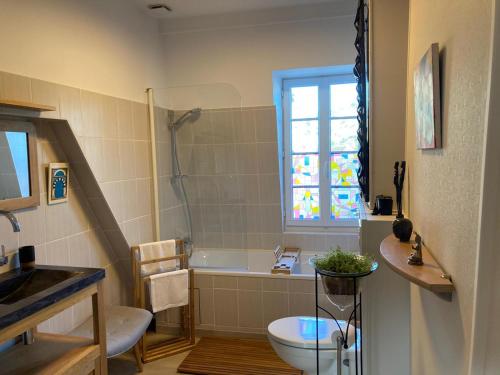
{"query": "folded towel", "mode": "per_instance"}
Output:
(169, 289)
(155, 250)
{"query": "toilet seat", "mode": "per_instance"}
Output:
(290, 331)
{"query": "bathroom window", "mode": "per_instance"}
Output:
(320, 151)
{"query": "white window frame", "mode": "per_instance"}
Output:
(323, 83)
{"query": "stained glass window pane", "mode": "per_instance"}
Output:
(305, 136)
(304, 102)
(343, 100)
(306, 203)
(344, 135)
(305, 170)
(344, 169)
(345, 203)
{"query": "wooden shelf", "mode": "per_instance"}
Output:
(51, 354)
(428, 276)
(26, 105)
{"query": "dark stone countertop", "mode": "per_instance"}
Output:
(26, 292)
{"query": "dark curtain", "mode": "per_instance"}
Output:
(361, 73)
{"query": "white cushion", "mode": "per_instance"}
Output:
(124, 327)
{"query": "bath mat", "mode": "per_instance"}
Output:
(230, 356)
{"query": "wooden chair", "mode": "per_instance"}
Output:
(154, 351)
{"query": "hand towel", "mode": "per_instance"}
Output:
(155, 250)
(169, 289)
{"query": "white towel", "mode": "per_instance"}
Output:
(169, 289)
(155, 250)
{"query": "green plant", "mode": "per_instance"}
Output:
(339, 261)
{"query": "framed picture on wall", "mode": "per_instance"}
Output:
(427, 100)
(57, 189)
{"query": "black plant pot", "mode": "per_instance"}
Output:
(402, 229)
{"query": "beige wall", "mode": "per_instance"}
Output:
(246, 57)
(445, 183)
(388, 50)
(107, 47)
(114, 136)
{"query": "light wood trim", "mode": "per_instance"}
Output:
(23, 325)
(34, 199)
(138, 357)
(26, 105)
(428, 276)
(75, 361)
(100, 329)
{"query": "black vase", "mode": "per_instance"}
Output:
(402, 229)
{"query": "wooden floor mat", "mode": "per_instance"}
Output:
(230, 356)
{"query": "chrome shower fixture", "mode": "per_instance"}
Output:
(191, 112)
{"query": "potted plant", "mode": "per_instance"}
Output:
(338, 270)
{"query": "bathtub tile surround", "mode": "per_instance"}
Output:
(114, 136)
(247, 304)
(233, 184)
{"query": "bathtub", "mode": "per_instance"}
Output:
(236, 292)
(246, 263)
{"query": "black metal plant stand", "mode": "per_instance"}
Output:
(357, 298)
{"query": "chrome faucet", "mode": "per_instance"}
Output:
(13, 220)
(4, 259)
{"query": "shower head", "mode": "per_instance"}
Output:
(195, 111)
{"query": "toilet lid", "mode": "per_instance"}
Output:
(300, 332)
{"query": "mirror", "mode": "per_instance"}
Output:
(18, 166)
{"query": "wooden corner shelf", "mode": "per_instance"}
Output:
(26, 105)
(428, 276)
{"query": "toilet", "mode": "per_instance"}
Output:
(294, 340)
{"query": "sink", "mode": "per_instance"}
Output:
(28, 283)
(26, 292)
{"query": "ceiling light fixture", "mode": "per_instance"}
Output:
(159, 6)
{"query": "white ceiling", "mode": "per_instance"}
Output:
(193, 8)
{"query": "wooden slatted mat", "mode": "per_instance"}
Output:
(230, 356)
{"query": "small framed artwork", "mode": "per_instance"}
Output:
(57, 189)
(427, 100)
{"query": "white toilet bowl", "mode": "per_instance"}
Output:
(294, 340)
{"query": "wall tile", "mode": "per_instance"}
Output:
(226, 307)
(141, 121)
(231, 219)
(249, 187)
(71, 108)
(125, 120)
(226, 282)
(202, 129)
(206, 313)
(246, 158)
(57, 252)
(275, 285)
(203, 281)
(225, 159)
(46, 93)
(92, 113)
(250, 309)
(15, 87)
(111, 159)
(250, 283)
(232, 240)
(265, 123)
(270, 219)
(222, 127)
(244, 126)
(269, 189)
(127, 159)
(78, 247)
(275, 306)
(250, 219)
(109, 117)
(142, 159)
(267, 155)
